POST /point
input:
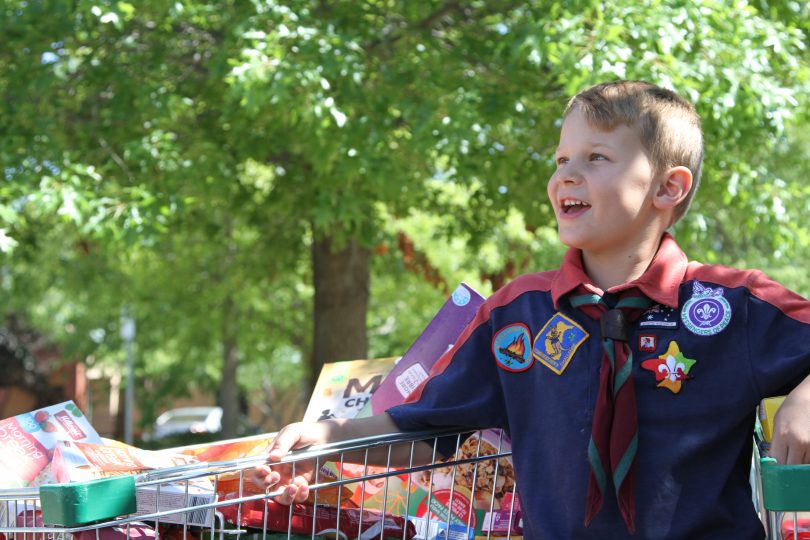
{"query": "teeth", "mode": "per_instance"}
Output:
(570, 202)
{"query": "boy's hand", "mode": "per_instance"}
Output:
(294, 476)
(791, 432)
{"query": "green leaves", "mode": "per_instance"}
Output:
(180, 156)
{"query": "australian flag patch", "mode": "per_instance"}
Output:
(659, 316)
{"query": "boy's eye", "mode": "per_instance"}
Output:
(562, 160)
(597, 157)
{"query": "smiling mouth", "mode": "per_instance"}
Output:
(571, 207)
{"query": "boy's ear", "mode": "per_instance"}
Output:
(674, 186)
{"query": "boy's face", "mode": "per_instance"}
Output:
(602, 190)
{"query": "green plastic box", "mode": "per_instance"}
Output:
(785, 488)
(69, 505)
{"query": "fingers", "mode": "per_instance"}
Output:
(778, 451)
(285, 441)
(298, 492)
(264, 477)
(789, 448)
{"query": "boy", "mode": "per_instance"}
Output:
(631, 407)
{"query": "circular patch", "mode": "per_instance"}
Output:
(461, 296)
(706, 315)
(512, 347)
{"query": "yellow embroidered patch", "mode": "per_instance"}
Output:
(557, 342)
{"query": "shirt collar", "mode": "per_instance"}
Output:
(660, 282)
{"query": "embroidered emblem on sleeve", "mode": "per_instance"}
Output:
(512, 347)
(707, 312)
(557, 342)
(671, 368)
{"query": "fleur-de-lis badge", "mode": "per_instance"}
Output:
(707, 312)
(671, 368)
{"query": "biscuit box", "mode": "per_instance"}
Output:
(426, 495)
(483, 485)
(28, 440)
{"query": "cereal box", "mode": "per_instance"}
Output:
(27, 442)
(344, 388)
(436, 339)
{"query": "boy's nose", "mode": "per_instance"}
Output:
(568, 174)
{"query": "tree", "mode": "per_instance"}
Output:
(220, 165)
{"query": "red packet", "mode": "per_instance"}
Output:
(303, 519)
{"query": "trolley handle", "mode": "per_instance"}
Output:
(785, 488)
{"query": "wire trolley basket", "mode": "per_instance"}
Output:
(472, 495)
(469, 497)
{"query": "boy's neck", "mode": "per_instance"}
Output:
(613, 268)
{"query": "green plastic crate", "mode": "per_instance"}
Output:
(69, 505)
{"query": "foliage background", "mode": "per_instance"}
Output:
(181, 159)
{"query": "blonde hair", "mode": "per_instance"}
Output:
(667, 124)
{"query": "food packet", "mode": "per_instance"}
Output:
(341, 523)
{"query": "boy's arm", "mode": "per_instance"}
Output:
(302, 435)
(791, 437)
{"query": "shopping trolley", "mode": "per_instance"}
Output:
(471, 496)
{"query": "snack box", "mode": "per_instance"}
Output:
(28, 441)
(344, 388)
(434, 488)
(426, 495)
(436, 339)
(77, 464)
(234, 483)
(227, 450)
(767, 413)
(80, 462)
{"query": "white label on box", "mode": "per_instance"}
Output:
(174, 498)
(437, 530)
(410, 379)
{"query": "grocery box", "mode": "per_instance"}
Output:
(436, 339)
(28, 441)
(473, 485)
(344, 388)
(227, 450)
(767, 413)
(80, 463)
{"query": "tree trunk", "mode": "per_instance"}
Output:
(341, 279)
(229, 390)
(229, 387)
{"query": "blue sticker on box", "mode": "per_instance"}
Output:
(461, 296)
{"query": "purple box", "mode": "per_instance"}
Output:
(414, 366)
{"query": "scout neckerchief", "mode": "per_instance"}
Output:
(614, 433)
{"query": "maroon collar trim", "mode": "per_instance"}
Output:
(660, 281)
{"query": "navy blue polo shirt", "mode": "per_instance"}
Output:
(717, 342)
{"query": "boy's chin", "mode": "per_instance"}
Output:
(569, 240)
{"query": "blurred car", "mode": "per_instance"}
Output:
(188, 420)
